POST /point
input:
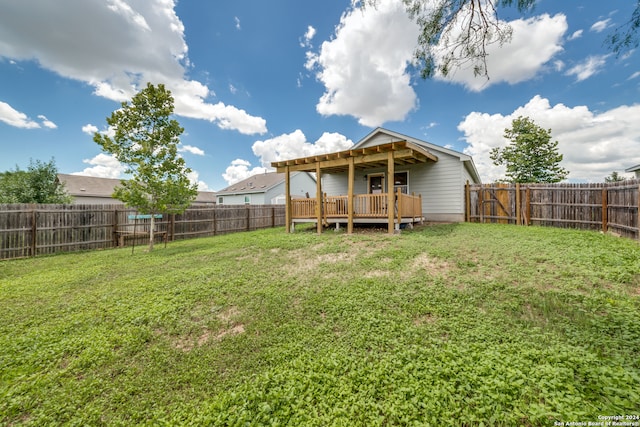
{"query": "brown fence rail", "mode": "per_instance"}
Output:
(610, 207)
(29, 230)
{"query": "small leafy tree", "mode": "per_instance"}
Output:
(531, 156)
(38, 184)
(146, 141)
(614, 177)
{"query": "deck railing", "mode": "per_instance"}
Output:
(364, 206)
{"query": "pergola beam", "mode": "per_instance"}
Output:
(402, 151)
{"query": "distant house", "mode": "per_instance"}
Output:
(635, 169)
(387, 178)
(94, 190)
(267, 189)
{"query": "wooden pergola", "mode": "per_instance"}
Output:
(390, 154)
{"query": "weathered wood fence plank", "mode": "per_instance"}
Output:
(30, 230)
(610, 207)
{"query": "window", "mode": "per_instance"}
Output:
(220, 199)
(247, 200)
(401, 181)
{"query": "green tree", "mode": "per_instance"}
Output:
(614, 177)
(441, 20)
(531, 156)
(38, 184)
(146, 141)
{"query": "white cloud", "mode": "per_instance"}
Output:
(194, 177)
(103, 166)
(308, 36)
(513, 62)
(600, 26)
(15, 118)
(590, 66)
(89, 129)
(364, 67)
(239, 170)
(593, 144)
(237, 21)
(123, 45)
(47, 123)
(284, 147)
(191, 149)
(634, 75)
(122, 8)
(576, 35)
(558, 65)
(295, 145)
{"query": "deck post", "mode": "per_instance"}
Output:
(287, 190)
(318, 198)
(390, 194)
(350, 200)
(399, 207)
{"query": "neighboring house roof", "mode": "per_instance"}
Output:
(88, 186)
(91, 186)
(259, 183)
(395, 136)
(633, 168)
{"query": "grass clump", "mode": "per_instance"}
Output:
(450, 324)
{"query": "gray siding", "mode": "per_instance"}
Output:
(238, 199)
(301, 183)
(440, 183)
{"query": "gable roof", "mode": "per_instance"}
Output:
(395, 136)
(259, 183)
(91, 186)
(88, 186)
(633, 168)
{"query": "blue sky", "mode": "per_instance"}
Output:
(258, 81)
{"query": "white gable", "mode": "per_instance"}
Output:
(384, 136)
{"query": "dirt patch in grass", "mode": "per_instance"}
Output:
(230, 327)
(431, 265)
(424, 319)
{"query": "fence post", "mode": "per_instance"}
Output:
(34, 231)
(114, 233)
(527, 214)
(638, 214)
(273, 216)
(172, 227)
(481, 203)
(215, 210)
(467, 198)
(518, 207)
(248, 208)
(605, 209)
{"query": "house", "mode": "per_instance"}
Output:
(635, 169)
(387, 178)
(94, 190)
(267, 189)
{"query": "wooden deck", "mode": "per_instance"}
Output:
(367, 208)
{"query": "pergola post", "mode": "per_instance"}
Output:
(350, 207)
(287, 190)
(319, 198)
(390, 195)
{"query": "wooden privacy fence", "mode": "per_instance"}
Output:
(29, 230)
(610, 207)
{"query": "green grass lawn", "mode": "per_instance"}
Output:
(441, 325)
